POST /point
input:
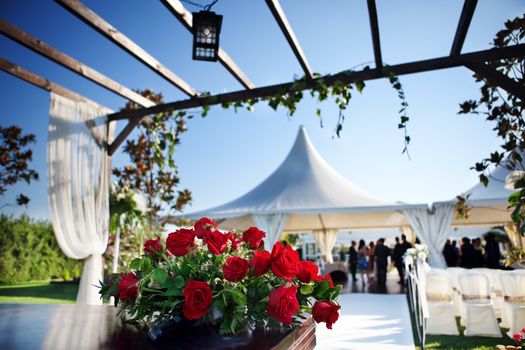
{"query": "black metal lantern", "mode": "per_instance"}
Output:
(206, 31)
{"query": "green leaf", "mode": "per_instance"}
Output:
(145, 266)
(238, 297)
(360, 85)
(321, 288)
(160, 275)
(306, 289)
(135, 264)
(178, 281)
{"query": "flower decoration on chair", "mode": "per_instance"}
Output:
(227, 280)
(419, 253)
(519, 338)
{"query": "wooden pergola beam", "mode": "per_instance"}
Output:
(186, 18)
(286, 28)
(343, 77)
(45, 84)
(346, 77)
(107, 30)
(374, 28)
(498, 79)
(464, 22)
(70, 63)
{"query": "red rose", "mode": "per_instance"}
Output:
(260, 262)
(327, 277)
(254, 237)
(180, 241)
(217, 242)
(235, 241)
(128, 287)
(307, 272)
(284, 261)
(326, 311)
(283, 304)
(153, 247)
(235, 268)
(517, 338)
(203, 227)
(197, 299)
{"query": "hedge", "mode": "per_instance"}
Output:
(29, 251)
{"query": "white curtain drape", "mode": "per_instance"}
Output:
(326, 241)
(432, 229)
(273, 225)
(78, 186)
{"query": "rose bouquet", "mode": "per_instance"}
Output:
(227, 280)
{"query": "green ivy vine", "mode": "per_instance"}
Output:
(319, 89)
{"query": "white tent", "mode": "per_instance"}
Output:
(305, 194)
(489, 204)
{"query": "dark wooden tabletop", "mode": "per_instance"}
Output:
(53, 326)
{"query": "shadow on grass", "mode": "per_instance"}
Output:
(35, 292)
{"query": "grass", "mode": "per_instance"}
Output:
(460, 342)
(46, 292)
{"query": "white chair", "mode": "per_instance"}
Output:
(496, 294)
(477, 310)
(453, 273)
(441, 318)
(513, 310)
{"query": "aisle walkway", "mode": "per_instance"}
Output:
(369, 321)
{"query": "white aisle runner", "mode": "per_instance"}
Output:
(369, 321)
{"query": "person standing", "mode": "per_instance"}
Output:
(382, 253)
(466, 259)
(371, 261)
(397, 257)
(362, 262)
(455, 255)
(492, 252)
(448, 253)
(352, 260)
(405, 245)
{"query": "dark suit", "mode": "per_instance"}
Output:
(352, 260)
(382, 253)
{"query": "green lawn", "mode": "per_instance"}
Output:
(462, 342)
(39, 292)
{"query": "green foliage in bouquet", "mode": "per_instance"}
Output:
(224, 279)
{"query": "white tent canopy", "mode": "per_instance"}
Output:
(489, 204)
(306, 194)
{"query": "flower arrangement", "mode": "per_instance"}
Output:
(225, 279)
(519, 338)
(418, 253)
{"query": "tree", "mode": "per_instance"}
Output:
(14, 160)
(501, 107)
(152, 171)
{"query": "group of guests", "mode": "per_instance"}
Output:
(472, 254)
(372, 261)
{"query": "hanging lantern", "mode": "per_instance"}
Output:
(206, 31)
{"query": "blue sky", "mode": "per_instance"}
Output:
(227, 154)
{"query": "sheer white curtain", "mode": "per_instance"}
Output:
(326, 241)
(432, 229)
(78, 186)
(273, 225)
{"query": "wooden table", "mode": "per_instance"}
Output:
(53, 326)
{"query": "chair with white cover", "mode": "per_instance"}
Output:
(513, 310)
(477, 310)
(441, 318)
(454, 272)
(496, 294)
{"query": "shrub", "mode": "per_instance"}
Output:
(29, 251)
